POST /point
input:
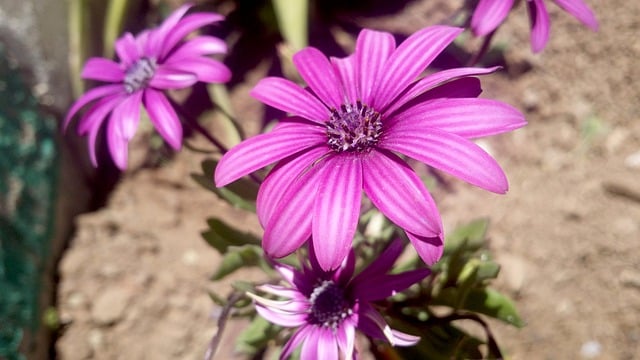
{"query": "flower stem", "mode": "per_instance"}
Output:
(233, 298)
(483, 49)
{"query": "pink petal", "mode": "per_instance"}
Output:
(399, 193)
(290, 225)
(163, 117)
(540, 24)
(373, 49)
(310, 345)
(383, 286)
(403, 339)
(327, 347)
(488, 15)
(102, 69)
(127, 49)
(345, 68)
(89, 96)
(346, 336)
(430, 249)
(285, 95)
(466, 117)
(281, 177)
(184, 27)
(118, 145)
(157, 37)
(165, 78)
(450, 153)
(295, 340)
(373, 324)
(262, 150)
(207, 70)
(336, 210)
(409, 60)
(433, 81)
(199, 46)
(127, 115)
(581, 12)
(91, 140)
(383, 263)
(317, 72)
(98, 112)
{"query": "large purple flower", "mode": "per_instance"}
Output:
(489, 14)
(327, 307)
(346, 129)
(153, 61)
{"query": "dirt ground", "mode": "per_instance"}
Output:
(134, 281)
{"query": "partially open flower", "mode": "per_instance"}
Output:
(328, 307)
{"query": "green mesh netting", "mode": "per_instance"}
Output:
(28, 156)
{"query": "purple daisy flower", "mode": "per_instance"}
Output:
(489, 14)
(327, 307)
(149, 63)
(346, 129)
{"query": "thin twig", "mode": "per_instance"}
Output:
(233, 298)
(483, 49)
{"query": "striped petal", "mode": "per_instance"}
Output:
(163, 117)
(346, 70)
(90, 96)
(409, 60)
(336, 210)
(262, 150)
(396, 190)
(184, 27)
(540, 24)
(206, 69)
(580, 11)
(488, 15)
(450, 153)
(285, 95)
(430, 249)
(318, 73)
(373, 49)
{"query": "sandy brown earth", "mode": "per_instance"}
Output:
(134, 281)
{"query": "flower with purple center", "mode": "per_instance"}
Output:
(327, 307)
(489, 14)
(347, 128)
(149, 63)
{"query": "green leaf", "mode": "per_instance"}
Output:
(470, 237)
(221, 236)
(241, 193)
(256, 336)
(492, 303)
(236, 258)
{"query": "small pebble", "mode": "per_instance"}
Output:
(591, 349)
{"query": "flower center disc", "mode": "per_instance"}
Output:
(328, 305)
(353, 128)
(139, 74)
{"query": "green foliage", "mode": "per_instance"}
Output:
(254, 339)
(241, 193)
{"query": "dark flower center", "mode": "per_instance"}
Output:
(139, 74)
(328, 305)
(353, 128)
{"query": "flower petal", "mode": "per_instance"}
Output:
(430, 249)
(285, 95)
(311, 344)
(156, 41)
(200, 46)
(98, 112)
(206, 69)
(383, 263)
(346, 336)
(336, 210)
(317, 72)
(466, 117)
(409, 60)
(580, 11)
(102, 69)
(399, 193)
(294, 341)
(118, 145)
(327, 347)
(488, 15)
(127, 49)
(89, 96)
(345, 68)
(184, 27)
(281, 177)
(450, 153)
(373, 49)
(264, 149)
(165, 78)
(290, 225)
(163, 117)
(433, 81)
(540, 24)
(127, 115)
(383, 286)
